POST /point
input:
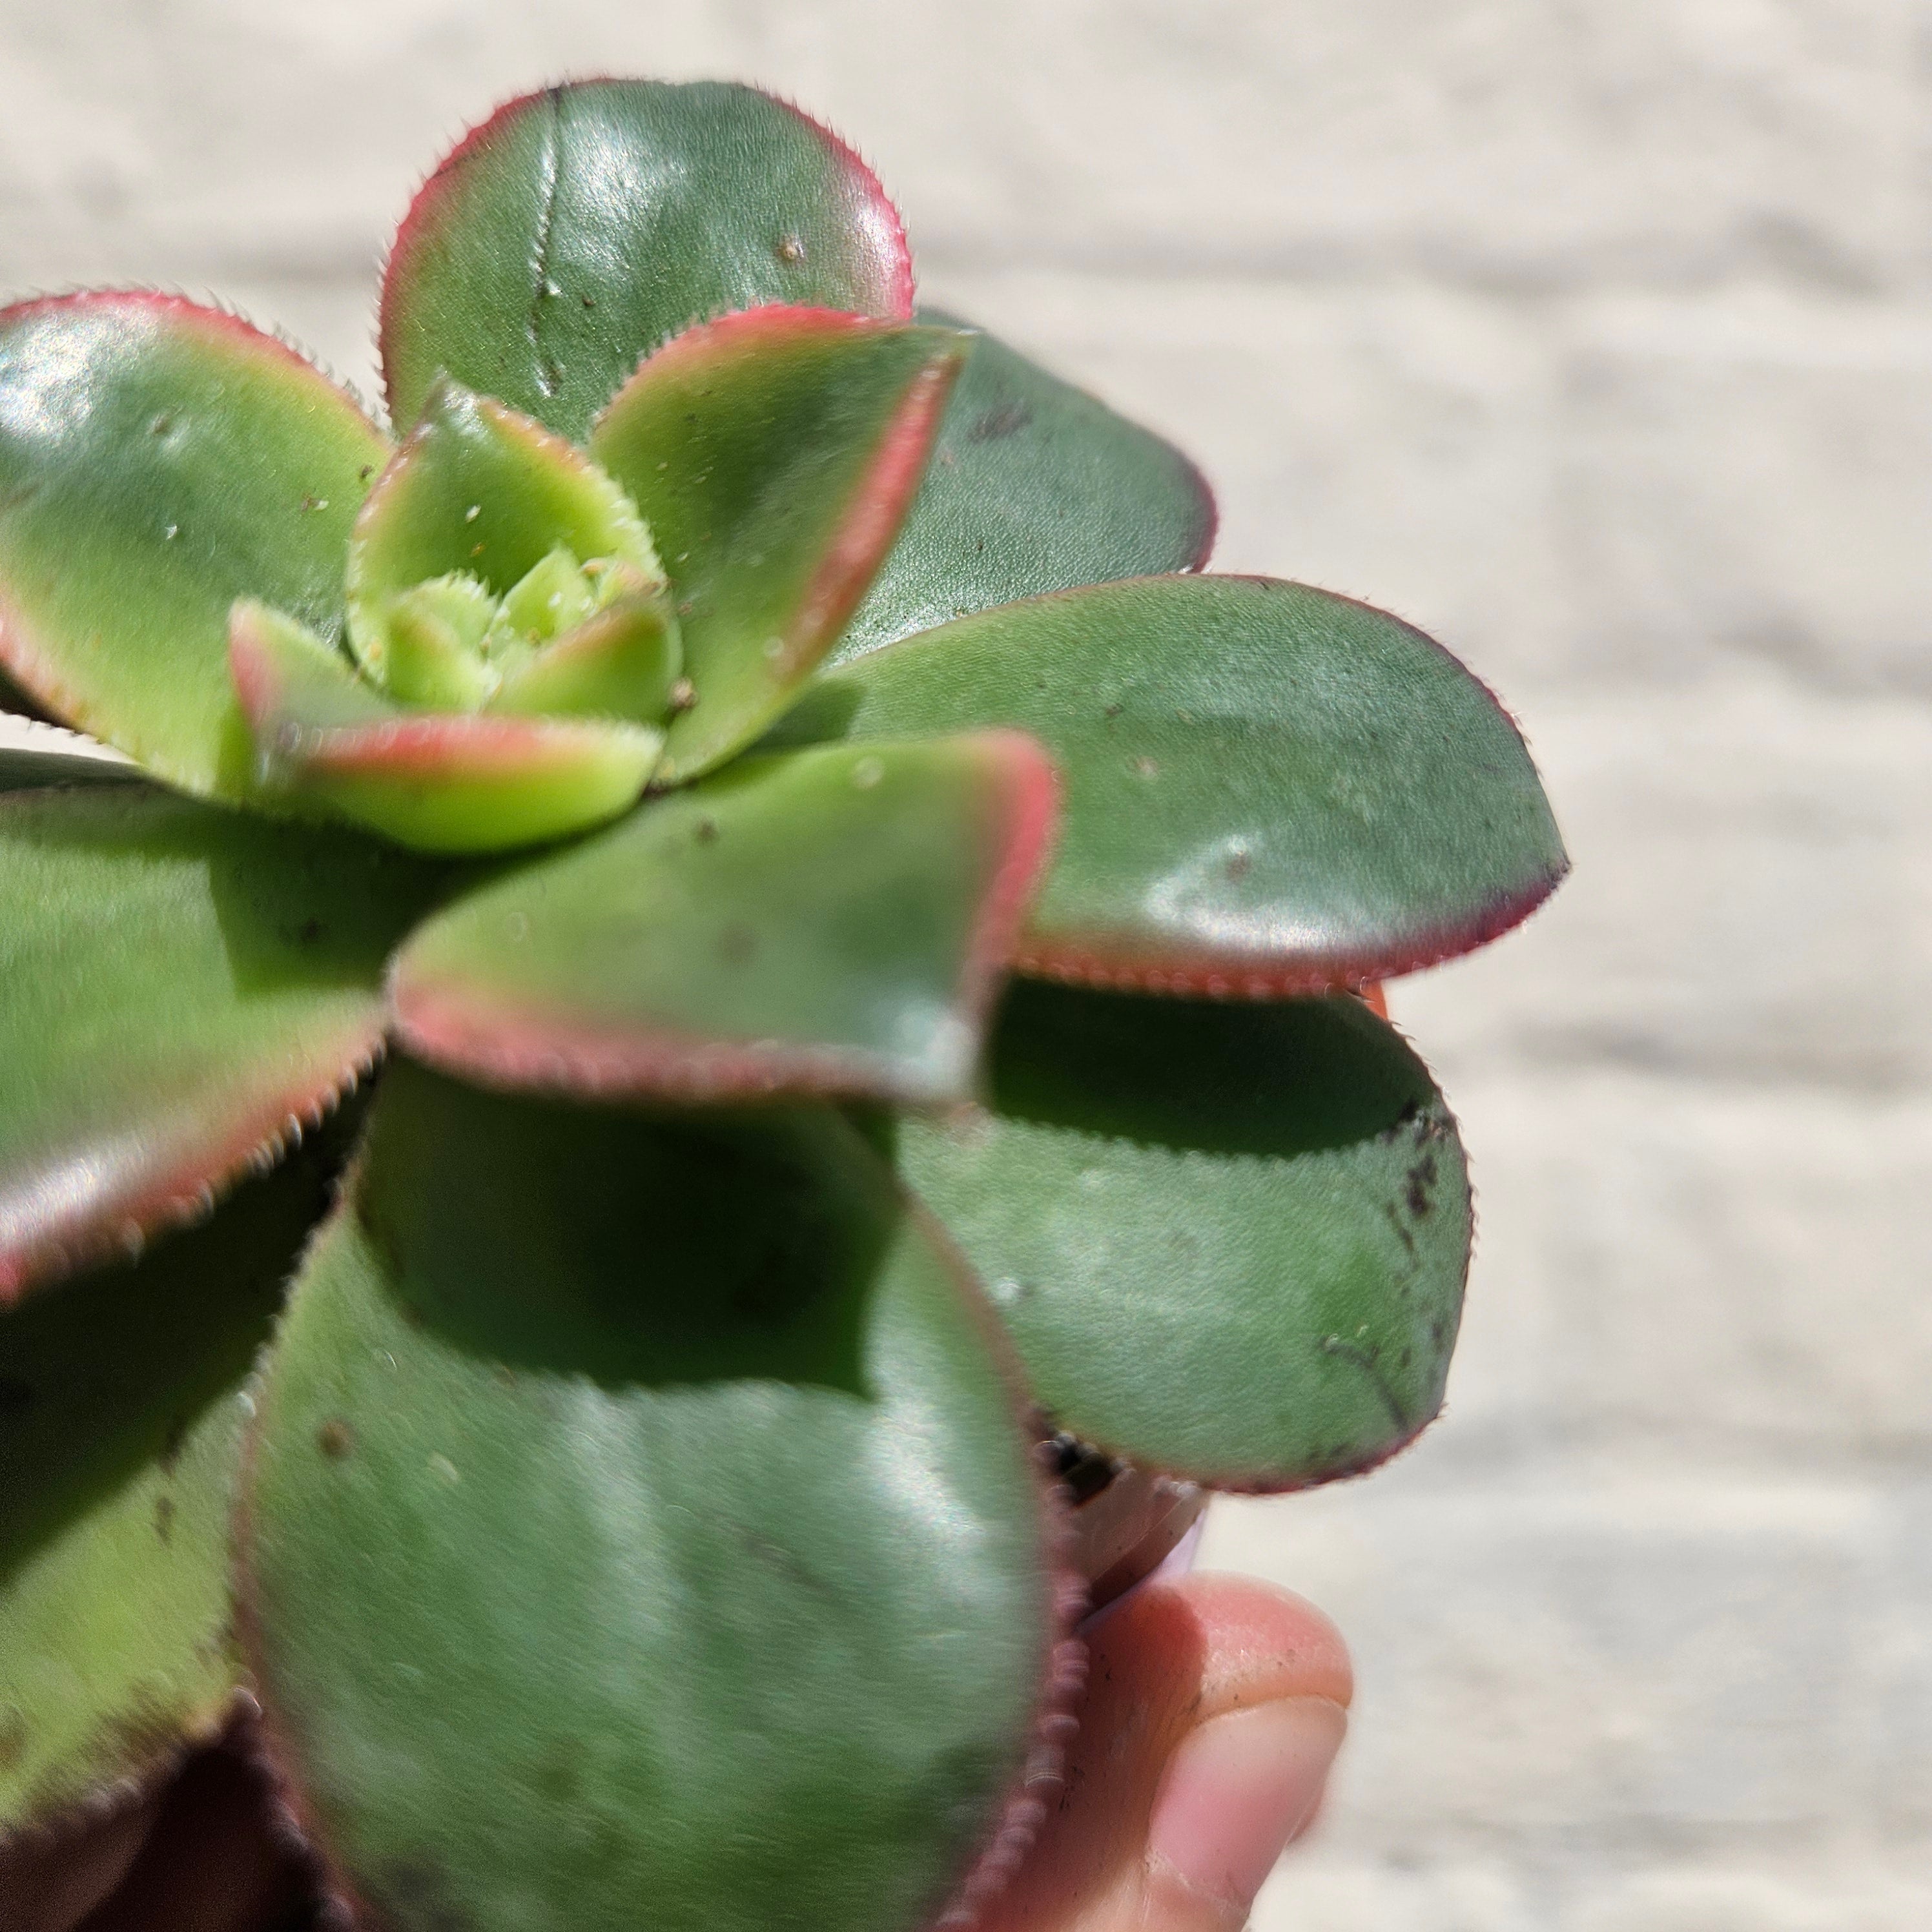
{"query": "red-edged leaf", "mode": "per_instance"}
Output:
(1033, 485)
(832, 921)
(576, 228)
(773, 455)
(157, 460)
(184, 990)
(439, 782)
(639, 1531)
(1269, 789)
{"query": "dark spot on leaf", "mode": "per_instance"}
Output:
(315, 502)
(1366, 1361)
(736, 945)
(707, 831)
(791, 249)
(1112, 711)
(1240, 864)
(309, 931)
(1421, 1179)
(589, 301)
(367, 470)
(335, 1438)
(164, 1517)
(171, 1445)
(1009, 419)
(1402, 1231)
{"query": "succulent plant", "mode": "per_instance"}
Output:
(606, 1436)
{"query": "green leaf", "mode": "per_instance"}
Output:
(120, 1432)
(157, 460)
(622, 662)
(773, 454)
(1033, 485)
(1268, 789)
(437, 781)
(577, 229)
(638, 1514)
(185, 989)
(1229, 1239)
(478, 489)
(831, 922)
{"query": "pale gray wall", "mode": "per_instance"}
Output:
(1593, 335)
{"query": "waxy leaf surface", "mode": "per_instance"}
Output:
(638, 1514)
(831, 921)
(773, 455)
(577, 229)
(1228, 1238)
(437, 781)
(120, 1437)
(1267, 789)
(1033, 485)
(182, 985)
(157, 460)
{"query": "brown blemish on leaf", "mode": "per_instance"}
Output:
(164, 1518)
(1422, 1177)
(335, 1439)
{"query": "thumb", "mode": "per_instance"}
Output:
(1214, 1708)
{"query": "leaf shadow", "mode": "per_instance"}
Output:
(629, 1247)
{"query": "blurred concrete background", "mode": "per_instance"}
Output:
(1593, 336)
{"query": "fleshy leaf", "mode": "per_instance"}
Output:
(773, 455)
(1033, 485)
(120, 1437)
(696, 1554)
(437, 781)
(622, 661)
(1267, 789)
(577, 229)
(185, 988)
(1229, 1238)
(478, 489)
(156, 461)
(829, 921)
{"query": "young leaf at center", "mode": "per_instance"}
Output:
(773, 454)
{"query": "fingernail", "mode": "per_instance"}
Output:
(1238, 1790)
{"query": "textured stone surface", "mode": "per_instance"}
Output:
(1592, 335)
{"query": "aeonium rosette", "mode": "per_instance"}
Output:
(728, 698)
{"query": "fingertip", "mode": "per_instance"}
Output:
(1259, 1642)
